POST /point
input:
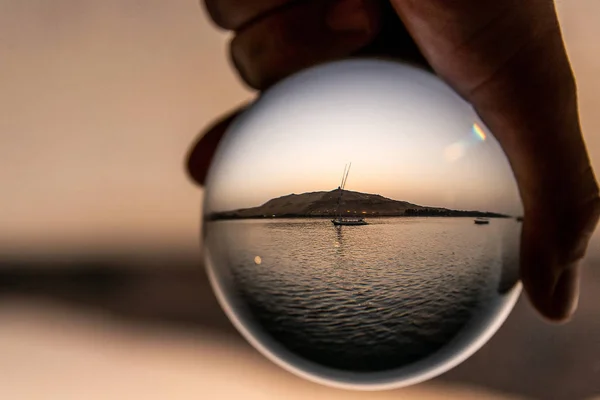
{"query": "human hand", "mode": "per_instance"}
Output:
(506, 58)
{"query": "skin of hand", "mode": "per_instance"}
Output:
(505, 57)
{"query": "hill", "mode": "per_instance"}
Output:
(324, 204)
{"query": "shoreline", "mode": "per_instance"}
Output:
(479, 215)
(355, 205)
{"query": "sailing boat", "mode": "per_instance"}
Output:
(339, 221)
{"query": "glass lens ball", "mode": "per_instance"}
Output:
(361, 226)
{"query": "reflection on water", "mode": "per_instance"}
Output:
(366, 298)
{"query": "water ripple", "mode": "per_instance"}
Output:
(364, 298)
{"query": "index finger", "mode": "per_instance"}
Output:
(201, 153)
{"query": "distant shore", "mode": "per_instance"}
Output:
(458, 214)
(349, 203)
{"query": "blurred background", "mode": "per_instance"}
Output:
(103, 292)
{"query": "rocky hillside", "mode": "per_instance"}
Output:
(324, 204)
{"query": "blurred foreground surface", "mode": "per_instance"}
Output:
(104, 330)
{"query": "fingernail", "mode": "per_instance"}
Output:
(565, 296)
(349, 16)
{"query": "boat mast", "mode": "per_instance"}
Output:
(342, 185)
(343, 175)
(346, 178)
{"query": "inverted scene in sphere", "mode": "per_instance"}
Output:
(361, 225)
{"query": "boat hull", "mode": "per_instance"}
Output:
(348, 223)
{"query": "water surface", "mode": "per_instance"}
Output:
(365, 298)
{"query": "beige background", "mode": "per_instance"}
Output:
(99, 102)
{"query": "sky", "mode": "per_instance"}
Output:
(408, 136)
(100, 102)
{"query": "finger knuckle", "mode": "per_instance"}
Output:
(290, 40)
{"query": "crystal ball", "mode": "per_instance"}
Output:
(361, 226)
